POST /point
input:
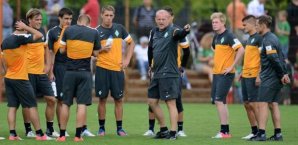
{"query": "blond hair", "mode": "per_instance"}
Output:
(32, 13)
(220, 16)
(108, 8)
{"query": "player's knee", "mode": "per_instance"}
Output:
(51, 101)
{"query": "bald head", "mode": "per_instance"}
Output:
(84, 20)
(162, 19)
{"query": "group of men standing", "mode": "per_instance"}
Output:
(263, 74)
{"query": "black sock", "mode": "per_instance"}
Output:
(13, 133)
(27, 127)
(84, 128)
(180, 126)
(222, 128)
(227, 128)
(102, 124)
(62, 132)
(39, 132)
(172, 133)
(50, 126)
(254, 130)
(151, 124)
(261, 131)
(78, 132)
(162, 129)
(277, 131)
(119, 125)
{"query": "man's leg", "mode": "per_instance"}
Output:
(11, 118)
(50, 113)
(119, 115)
(223, 114)
(251, 117)
(171, 104)
(275, 113)
(27, 122)
(34, 117)
(151, 122)
(64, 116)
(101, 116)
(262, 120)
(81, 119)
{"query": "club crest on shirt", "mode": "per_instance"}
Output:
(166, 35)
(117, 33)
(268, 48)
(222, 40)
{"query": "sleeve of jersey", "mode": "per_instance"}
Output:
(63, 40)
(235, 43)
(49, 41)
(276, 61)
(184, 43)
(97, 45)
(25, 38)
(126, 37)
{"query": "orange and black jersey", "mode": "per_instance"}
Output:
(273, 66)
(14, 52)
(53, 37)
(252, 64)
(112, 59)
(80, 42)
(35, 55)
(225, 46)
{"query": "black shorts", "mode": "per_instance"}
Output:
(108, 80)
(164, 88)
(221, 85)
(179, 104)
(59, 72)
(268, 94)
(41, 84)
(19, 92)
(249, 89)
(77, 84)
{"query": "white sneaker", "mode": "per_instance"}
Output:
(2, 138)
(222, 135)
(149, 133)
(30, 134)
(66, 134)
(248, 136)
(181, 133)
(86, 132)
(55, 134)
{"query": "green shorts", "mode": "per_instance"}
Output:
(221, 85)
(164, 88)
(108, 80)
(77, 84)
(249, 89)
(19, 92)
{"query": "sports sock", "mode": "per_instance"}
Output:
(151, 124)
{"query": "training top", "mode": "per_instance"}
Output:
(53, 41)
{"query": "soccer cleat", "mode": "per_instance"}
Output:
(101, 132)
(86, 132)
(276, 137)
(248, 136)
(43, 138)
(78, 139)
(149, 133)
(181, 133)
(11, 137)
(66, 134)
(171, 137)
(54, 134)
(30, 134)
(121, 132)
(258, 137)
(222, 135)
(2, 138)
(160, 135)
(61, 139)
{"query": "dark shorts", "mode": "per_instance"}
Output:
(164, 88)
(77, 84)
(268, 94)
(59, 72)
(179, 104)
(221, 85)
(19, 92)
(41, 84)
(249, 89)
(108, 80)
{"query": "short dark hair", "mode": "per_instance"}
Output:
(265, 19)
(248, 17)
(65, 11)
(169, 10)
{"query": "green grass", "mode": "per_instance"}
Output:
(201, 122)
